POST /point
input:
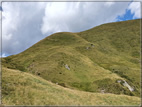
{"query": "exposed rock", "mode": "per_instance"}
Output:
(128, 86)
(103, 91)
(118, 81)
(87, 48)
(67, 67)
(124, 83)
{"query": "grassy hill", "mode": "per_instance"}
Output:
(98, 60)
(20, 88)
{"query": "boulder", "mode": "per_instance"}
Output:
(67, 67)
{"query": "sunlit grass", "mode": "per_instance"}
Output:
(19, 88)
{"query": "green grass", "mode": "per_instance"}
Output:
(21, 88)
(115, 55)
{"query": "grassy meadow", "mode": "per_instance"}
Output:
(21, 88)
(80, 68)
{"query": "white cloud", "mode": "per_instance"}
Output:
(135, 8)
(25, 23)
(3, 55)
(79, 16)
(21, 23)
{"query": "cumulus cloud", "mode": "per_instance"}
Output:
(21, 23)
(79, 16)
(25, 23)
(135, 8)
(3, 55)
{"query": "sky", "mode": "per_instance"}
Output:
(26, 23)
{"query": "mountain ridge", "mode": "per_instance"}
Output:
(98, 60)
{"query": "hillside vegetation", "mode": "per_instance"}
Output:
(20, 88)
(98, 60)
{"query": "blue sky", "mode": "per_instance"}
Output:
(127, 16)
(43, 19)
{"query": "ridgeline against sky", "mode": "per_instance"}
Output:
(25, 23)
(101, 64)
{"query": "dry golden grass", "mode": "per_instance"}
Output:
(21, 88)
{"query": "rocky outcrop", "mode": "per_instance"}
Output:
(67, 67)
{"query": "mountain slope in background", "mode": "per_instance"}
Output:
(104, 59)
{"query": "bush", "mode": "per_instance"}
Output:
(21, 68)
(62, 84)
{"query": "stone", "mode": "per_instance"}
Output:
(103, 91)
(87, 48)
(118, 81)
(128, 86)
(67, 67)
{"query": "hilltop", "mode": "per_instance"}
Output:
(104, 59)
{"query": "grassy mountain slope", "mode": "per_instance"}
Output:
(93, 60)
(119, 44)
(21, 88)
